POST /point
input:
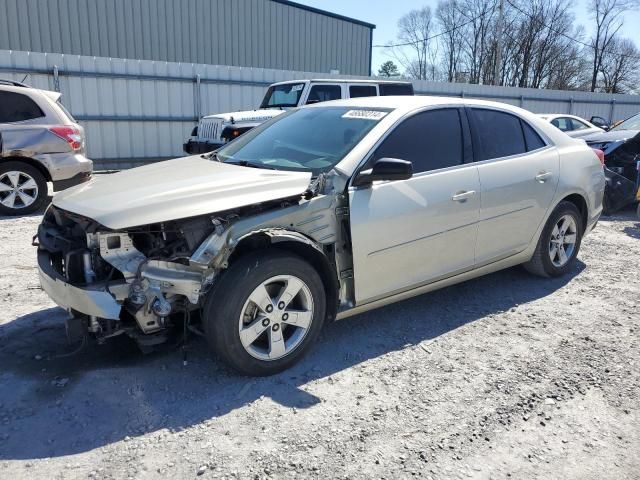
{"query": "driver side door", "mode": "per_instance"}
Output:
(408, 233)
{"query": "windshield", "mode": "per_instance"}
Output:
(307, 140)
(631, 123)
(287, 95)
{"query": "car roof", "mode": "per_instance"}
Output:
(9, 86)
(551, 116)
(408, 102)
(345, 80)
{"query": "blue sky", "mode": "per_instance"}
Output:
(384, 14)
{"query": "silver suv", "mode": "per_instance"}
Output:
(40, 142)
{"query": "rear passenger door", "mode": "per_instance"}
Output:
(407, 233)
(518, 177)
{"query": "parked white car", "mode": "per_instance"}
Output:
(571, 125)
(321, 213)
(213, 131)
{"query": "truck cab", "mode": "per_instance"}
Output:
(215, 130)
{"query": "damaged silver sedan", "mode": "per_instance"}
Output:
(321, 213)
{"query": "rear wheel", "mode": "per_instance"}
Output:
(265, 312)
(559, 242)
(23, 189)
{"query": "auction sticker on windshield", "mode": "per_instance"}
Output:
(365, 114)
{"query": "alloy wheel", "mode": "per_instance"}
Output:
(563, 241)
(17, 189)
(276, 317)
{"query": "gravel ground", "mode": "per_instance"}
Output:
(507, 376)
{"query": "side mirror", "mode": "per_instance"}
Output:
(600, 122)
(385, 169)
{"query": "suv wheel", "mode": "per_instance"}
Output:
(559, 242)
(23, 189)
(265, 312)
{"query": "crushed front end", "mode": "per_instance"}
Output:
(135, 282)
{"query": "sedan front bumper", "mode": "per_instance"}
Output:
(95, 301)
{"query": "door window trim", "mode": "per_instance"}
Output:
(467, 159)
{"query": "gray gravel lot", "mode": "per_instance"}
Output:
(507, 376)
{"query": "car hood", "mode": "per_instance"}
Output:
(248, 115)
(611, 136)
(174, 189)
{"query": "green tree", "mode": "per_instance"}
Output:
(388, 69)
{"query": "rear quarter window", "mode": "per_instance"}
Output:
(16, 107)
(389, 89)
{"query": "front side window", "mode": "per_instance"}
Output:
(287, 95)
(324, 93)
(429, 140)
(500, 134)
(357, 91)
(307, 140)
(15, 107)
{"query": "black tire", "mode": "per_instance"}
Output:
(541, 264)
(40, 181)
(224, 304)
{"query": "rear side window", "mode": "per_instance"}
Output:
(356, 91)
(389, 89)
(324, 93)
(532, 139)
(500, 134)
(430, 140)
(578, 125)
(15, 107)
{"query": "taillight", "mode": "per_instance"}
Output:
(600, 154)
(69, 134)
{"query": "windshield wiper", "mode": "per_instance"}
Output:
(248, 163)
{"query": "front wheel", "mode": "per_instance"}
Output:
(559, 242)
(265, 312)
(23, 189)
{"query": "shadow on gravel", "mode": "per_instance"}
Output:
(52, 406)
(633, 232)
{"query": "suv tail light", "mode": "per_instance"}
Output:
(600, 154)
(69, 134)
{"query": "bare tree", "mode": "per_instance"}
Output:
(451, 20)
(619, 67)
(608, 15)
(477, 42)
(415, 28)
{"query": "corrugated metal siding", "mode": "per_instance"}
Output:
(138, 110)
(252, 33)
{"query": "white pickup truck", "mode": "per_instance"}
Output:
(215, 130)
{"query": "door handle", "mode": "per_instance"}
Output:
(543, 176)
(462, 196)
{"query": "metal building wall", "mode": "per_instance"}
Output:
(136, 112)
(252, 33)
